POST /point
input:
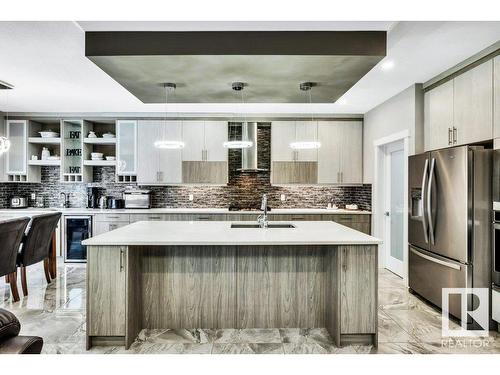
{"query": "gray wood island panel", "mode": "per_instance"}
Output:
(271, 283)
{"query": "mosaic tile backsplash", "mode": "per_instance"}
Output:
(243, 189)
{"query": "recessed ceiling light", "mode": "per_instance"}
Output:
(341, 101)
(387, 65)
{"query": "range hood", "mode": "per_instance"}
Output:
(249, 155)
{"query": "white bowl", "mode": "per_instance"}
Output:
(111, 158)
(49, 134)
(96, 155)
(108, 135)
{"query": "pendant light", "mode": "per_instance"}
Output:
(307, 144)
(165, 143)
(4, 142)
(233, 142)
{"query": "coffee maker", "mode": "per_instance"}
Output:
(92, 197)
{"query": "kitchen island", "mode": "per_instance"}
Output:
(219, 274)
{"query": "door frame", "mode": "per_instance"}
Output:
(379, 196)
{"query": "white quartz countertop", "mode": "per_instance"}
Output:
(157, 233)
(92, 211)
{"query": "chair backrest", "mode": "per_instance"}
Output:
(36, 243)
(11, 235)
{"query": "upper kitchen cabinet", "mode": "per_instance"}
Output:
(204, 157)
(496, 97)
(158, 165)
(17, 168)
(126, 150)
(282, 134)
(460, 111)
(473, 104)
(340, 155)
(438, 116)
(293, 166)
(337, 161)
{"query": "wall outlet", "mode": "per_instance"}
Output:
(33, 196)
(191, 197)
(282, 197)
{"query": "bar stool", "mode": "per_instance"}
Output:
(36, 245)
(11, 235)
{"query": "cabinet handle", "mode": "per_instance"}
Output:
(450, 139)
(455, 132)
(121, 260)
(112, 217)
(341, 176)
(203, 218)
(154, 217)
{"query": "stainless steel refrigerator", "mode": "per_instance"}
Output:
(449, 224)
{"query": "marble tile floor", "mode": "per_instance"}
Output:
(56, 312)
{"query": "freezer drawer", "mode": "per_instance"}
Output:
(429, 274)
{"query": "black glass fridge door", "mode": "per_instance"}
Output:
(77, 230)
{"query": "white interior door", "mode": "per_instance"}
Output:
(394, 207)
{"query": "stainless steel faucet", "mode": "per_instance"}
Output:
(65, 199)
(262, 219)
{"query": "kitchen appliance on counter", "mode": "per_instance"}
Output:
(76, 229)
(18, 202)
(92, 197)
(448, 224)
(115, 203)
(137, 198)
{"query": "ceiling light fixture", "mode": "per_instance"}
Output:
(4, 142)
(387, 65)
(163, 143)
(341, 101)
(307, 145)
(233, 142)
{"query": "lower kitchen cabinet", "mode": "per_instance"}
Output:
(106, 278)
(107, 226)
(107, 222)
(358, 305)
(358, 222)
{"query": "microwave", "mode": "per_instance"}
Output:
(137, 198)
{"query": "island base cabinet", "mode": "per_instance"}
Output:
(106, 269)
(243, 286)
(358, 288)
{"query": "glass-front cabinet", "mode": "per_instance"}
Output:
(17, 168)
(126, 150)
(16, 157)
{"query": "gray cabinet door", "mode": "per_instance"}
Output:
(438, 116)
(329, 153)
(473, 104)
(496, 97)
(101, 227)
(106, 278)
(147, 155)
(351, 152)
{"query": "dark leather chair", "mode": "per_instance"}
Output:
(11, 342)
(11, 234)
(36, 245)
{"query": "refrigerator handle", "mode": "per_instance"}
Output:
(429, 201)
(424, 222)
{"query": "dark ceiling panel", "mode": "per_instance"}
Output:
(204, 64)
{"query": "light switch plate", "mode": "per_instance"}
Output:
(283, 197)
(191, 197)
